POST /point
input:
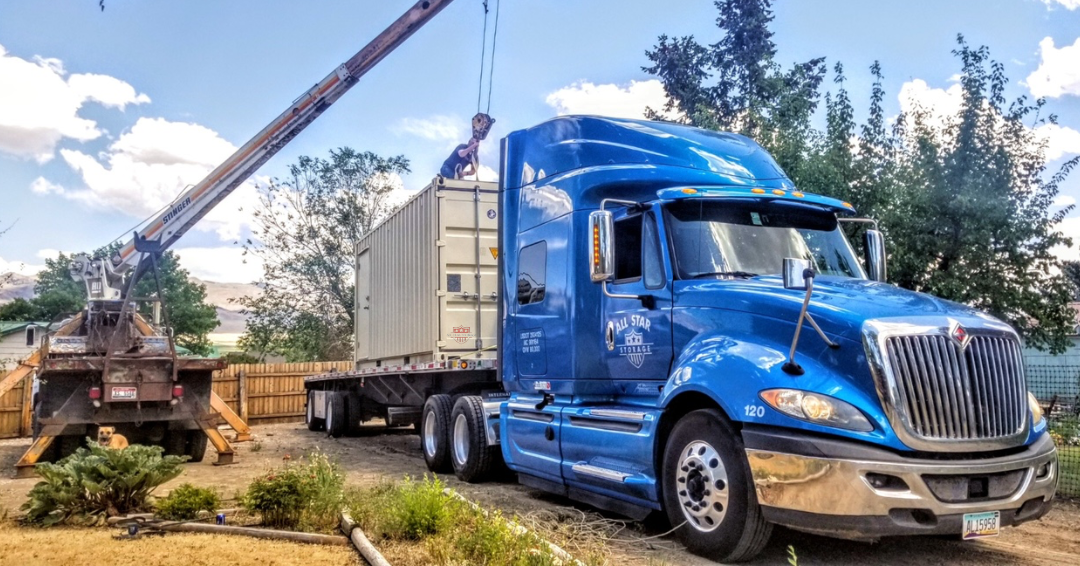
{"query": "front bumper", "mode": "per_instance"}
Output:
(851, 490)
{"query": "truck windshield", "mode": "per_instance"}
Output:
(722, 238)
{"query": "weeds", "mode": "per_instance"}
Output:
(185, 502)
(96, 482)
(450, 530)
(256, 446)
(307, 496)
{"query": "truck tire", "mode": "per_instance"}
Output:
(313, 424)
(196, 446)
(473, 459)
(336, 415)
(435, 432)
(707, 489)
(176, 442)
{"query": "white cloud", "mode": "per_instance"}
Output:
(941, 104)
(1060, 140)
(1064, 200)
(1059, 70)
(226, 264)
(48, 253)
(628, 101)
(450, 130)
(1067, 4)
(42, 186)
(1070, 227)
(488, 174)
(19, 267)
(39, 107)
(151, 164)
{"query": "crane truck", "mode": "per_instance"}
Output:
(649, 317)
(110, 366)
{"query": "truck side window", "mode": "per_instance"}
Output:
(628, 249)
(532, 273)
(651, 260)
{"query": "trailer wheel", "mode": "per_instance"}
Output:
(336, 415)
(435, 432)
(707, 489)
(472, 457)
(313, 424)
(196, 446)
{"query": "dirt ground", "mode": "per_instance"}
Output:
(381, 453)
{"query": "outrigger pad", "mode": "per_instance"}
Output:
(481, 125)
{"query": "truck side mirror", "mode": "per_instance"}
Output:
(874, 248)
(602, 258)
(795, 272)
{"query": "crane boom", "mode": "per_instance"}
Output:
(104, 278)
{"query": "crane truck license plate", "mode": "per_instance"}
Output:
(978, 525)
(123, 393)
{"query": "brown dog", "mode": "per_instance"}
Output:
(107, 437)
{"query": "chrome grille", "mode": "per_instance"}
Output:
(953, 393)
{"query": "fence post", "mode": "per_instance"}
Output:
(27, 422)
(242, 402)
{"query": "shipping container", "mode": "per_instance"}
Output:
(426, 278)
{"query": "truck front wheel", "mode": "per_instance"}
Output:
(435, 432)
(708, 490)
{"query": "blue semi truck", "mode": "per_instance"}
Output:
(672, 326)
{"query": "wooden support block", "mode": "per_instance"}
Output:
(243, 432)
(26, 423)
(24, 468)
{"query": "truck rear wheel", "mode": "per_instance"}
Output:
(472, 457)
(707, 489)
(196, 446)
(435, 432)
(313, 424)
(336, 415)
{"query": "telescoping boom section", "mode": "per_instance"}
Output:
(104, 278)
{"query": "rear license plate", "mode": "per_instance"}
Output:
(123, 393)
(978, 525)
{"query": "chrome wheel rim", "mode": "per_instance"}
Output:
(461, 440)
(701, 482)
(429, 434)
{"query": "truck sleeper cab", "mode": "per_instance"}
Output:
(645, 336)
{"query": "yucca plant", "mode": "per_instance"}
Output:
(96, 482)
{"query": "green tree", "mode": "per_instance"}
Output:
(736, 84)
(307, 227)
(965, 204)
(19, 309)
(1071, 270)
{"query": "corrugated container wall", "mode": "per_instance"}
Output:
(419, 274)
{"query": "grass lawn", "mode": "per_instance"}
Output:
(1069, 464)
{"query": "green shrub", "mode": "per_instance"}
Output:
(308, 496)
(185, 502)
(96, 482)
(452, 531)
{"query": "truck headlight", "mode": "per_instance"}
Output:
(817, 408)
(1036, 409)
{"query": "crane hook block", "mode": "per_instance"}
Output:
(481, 125)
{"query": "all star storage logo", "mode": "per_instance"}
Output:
(634, 331)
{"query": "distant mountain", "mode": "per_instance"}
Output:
(217, 294)
(14, 286)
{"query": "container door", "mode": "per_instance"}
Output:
(363, 305)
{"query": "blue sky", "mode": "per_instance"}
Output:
(104, 116)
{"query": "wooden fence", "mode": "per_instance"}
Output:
(269, 393)
(259, 393)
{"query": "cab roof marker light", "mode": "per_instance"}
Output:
(798, 194)
(778, 192)
(690, 191)
(758, 191)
